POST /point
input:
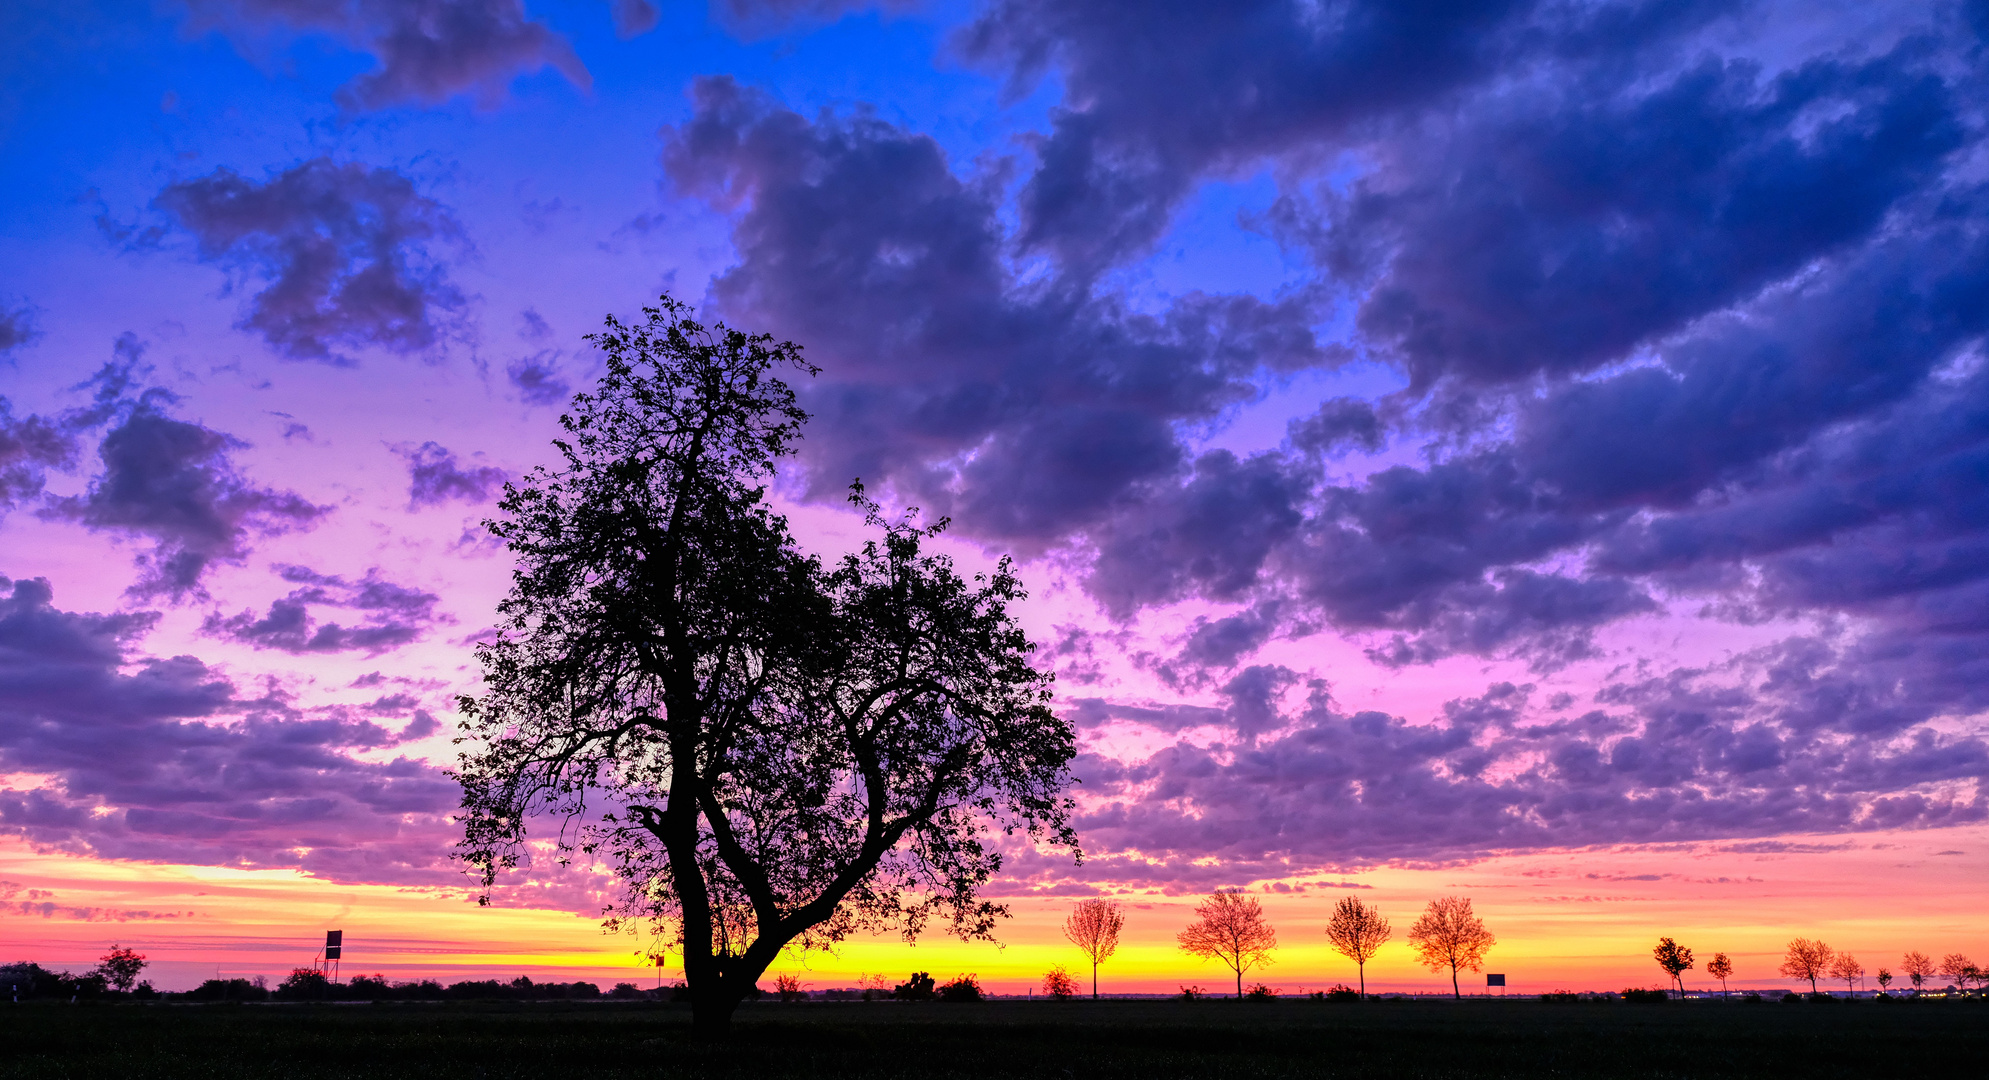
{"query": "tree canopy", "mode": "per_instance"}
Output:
(1094, 926)
(768, 751)
(1357, 932)
(1230, 927)
(1447, 934)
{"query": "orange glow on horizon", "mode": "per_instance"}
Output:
(1581, 920)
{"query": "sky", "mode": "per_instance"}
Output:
(1536, 451)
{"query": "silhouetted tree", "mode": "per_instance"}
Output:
(1094, 926)
(1957, 967)
(1846, 967)
(1230, 927)
(1884, 979)
(1675, 959)
(1448, 934)
(1058, 983)
(1357, 932)
(1918, 967)
(1806, 959)
(120, 967)
(770, 753)
(1719, 967)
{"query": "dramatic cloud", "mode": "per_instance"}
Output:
(538, 379)
(29, 446)
(1698, 754)
(393, 615)
(434, 477)
(1023, 410)
(139, 759)
(17, 326)
(349, 255)
(173, 482)
(426, 51)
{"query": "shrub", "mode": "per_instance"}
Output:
(1791, 999)
(1059, 985)
(1561, 996)
(964, 988)
(1340, 993)
(1645, 997)
(1260, 992)
(788, 987)
(624, 991)
(228, 990)
(1193, 993)
(917, 988)
(304, 984)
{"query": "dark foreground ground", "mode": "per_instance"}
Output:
(999, 1039)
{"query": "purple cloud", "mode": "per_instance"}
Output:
(17, 325)
(348, 254)
(173, 482)
(434, 477)
(168, 762)
(393, 615)
(538, 379)
(1023, 410)
(425, 51)
(1698, 754)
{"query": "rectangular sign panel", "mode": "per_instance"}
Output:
(1495, 980)
(334, 943)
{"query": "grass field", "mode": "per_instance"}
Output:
(997, 1039)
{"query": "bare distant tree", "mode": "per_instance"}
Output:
(1094, 927)
(1449, 935)
(1230, 927)
(1957, 967)
(1806, 959)
(1884, 980)
(1846, 967)
(1918, 967)
(1675, 959)
(1357, 932)
(1719, 967)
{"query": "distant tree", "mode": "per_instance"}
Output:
(306, 984)
(1719, 967)
(1059, 985)
(768, 752)
(1807, 959)
(919, 987)
(1357, 932)
(1675, 959)
(1230, 927)
(1094, 926)
(120, 967)
(1918, 967)
(1884, 980)
(1846, 967)
(787, 986)
(1956, 966)
(1449, 935)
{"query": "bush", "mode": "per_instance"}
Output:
(1339, 993)
(1645, 997)
(1059, 985)
(625, 991)
(963, 989)
(789, 987)
(1193, 993)
(229, 990)
(1260, 992)
(917, 988)
(1566, 997)
(1751, 998)
(304, 984)
(1791, 999)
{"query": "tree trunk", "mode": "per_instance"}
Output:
(1454, 991)
(1239, 984)
(1363, 967)
(1094, 980)
(711, 1013)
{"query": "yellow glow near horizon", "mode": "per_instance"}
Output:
(1568, 919)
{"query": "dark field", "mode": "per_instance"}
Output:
(997, 1039)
